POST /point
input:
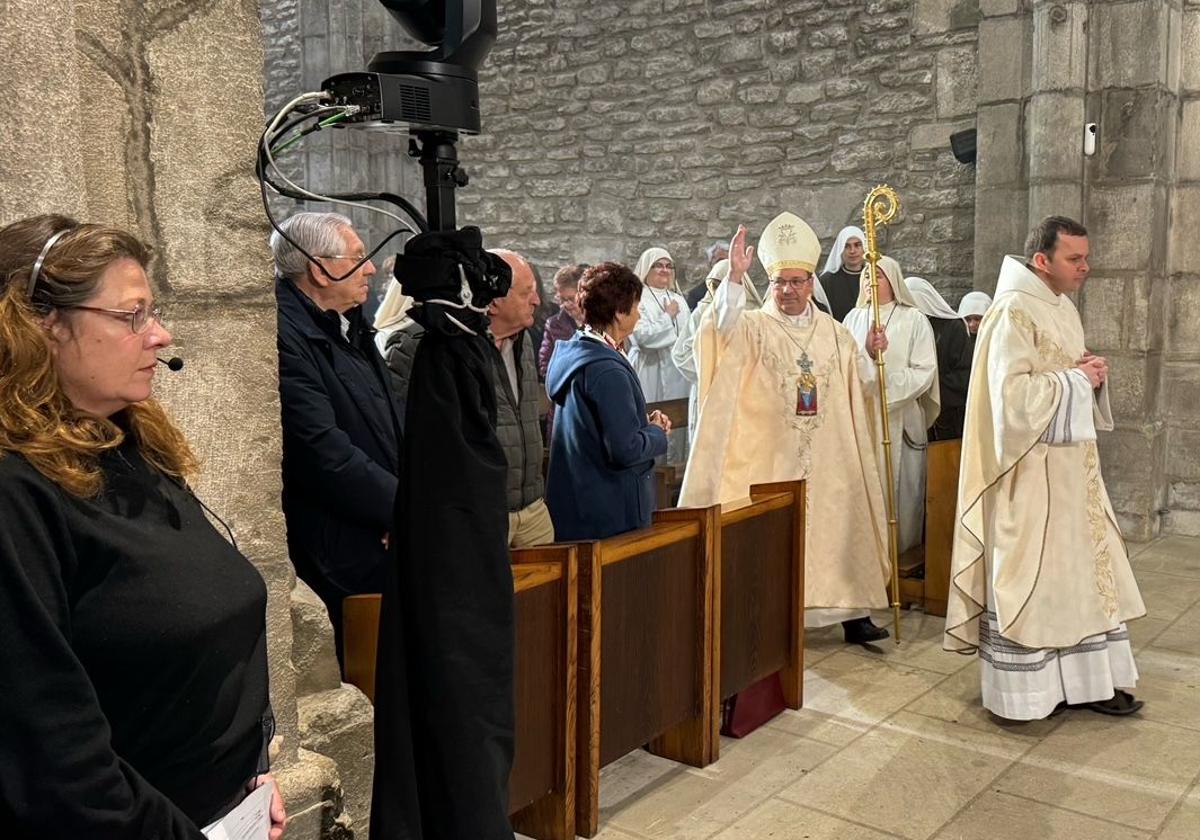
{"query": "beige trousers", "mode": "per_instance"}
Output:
(530, 526)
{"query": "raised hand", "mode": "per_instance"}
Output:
(741, 255)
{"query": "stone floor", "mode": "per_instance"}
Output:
(895, 744)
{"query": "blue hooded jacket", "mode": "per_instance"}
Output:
(601, 478)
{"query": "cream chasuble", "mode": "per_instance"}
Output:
(781, 400)
(910, 363)
(1037, 551)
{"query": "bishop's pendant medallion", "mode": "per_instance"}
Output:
(806, 388)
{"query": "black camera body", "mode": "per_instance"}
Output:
(431, 95)
(436, 90)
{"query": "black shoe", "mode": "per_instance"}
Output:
(1120, 704)
(860, 631)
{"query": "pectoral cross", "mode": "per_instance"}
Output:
(806, 387)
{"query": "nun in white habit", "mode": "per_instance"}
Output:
(843, 269)
(910, 363)
(972, 308)
(664, 311)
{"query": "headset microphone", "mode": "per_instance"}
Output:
(174, 363)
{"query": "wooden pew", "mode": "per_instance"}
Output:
(676, 411)
(760, 590)
(542, 785)
(931, 589)
(646, 646)
(941, 502)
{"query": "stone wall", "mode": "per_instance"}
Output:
(145, 115)
(610, 127)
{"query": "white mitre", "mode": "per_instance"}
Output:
(788, 242)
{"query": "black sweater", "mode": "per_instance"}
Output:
(133, 671)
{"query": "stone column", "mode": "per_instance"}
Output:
(1181, 345)
(1001, 181)
(145, 115)
(1133, 53)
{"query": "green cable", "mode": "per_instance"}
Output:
(328, 121)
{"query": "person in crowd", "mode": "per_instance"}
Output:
(954, 349)
(564, 323)
(601, 476)
(972, 308)
(134, 660)
(682, 353)
(912, 388)
(663, 312)
(843, 271)
(713, 254)
(783, 398)
(1041, 584)
(393, 312)
(515, 376)
(341, 424)
(561, 325)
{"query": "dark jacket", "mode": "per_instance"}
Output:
(601, 479)
(955, 349)
(559, 327)
(340, 449)
(517, 424)
(841, 287)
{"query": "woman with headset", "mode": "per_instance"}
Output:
(133, 666)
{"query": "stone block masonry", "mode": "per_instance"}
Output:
(610, 127)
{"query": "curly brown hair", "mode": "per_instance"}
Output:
(605, 290)
(37, 420)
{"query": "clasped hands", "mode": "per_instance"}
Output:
(1094, 367)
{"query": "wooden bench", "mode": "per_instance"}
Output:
(925, 570)
(646, 648)
(542, 785)
(760, 589)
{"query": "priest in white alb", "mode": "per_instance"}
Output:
(910, 365)
(1041, 584)
(782, 399)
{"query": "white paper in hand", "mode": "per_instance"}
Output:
(251, 820)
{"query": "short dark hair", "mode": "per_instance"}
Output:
(1045, 235)
(569, 275)
(605, 290)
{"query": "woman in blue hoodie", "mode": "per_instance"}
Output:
(601, 479)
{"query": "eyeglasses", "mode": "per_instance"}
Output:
(361, 257)
(664, 266)
(793, 284)
(139, 317)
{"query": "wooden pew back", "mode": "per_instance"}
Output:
(542, 784)
(761, 591)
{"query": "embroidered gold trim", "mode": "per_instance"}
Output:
(1047, 348)
(1106, 583)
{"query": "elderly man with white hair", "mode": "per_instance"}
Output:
(340, 423)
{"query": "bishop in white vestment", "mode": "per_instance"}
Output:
(782, 399)
(910, 364)
(1041, 583)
